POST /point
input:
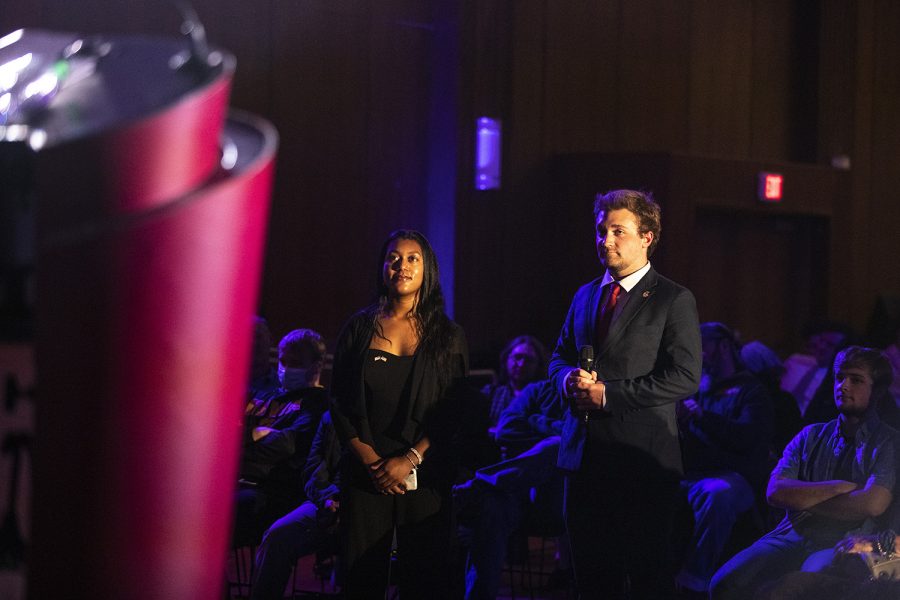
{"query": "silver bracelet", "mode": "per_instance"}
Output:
(416, 453)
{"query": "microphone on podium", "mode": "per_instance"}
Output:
(586, 363)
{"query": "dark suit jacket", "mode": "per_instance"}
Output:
(649, 360)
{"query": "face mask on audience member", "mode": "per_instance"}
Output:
(291, 378)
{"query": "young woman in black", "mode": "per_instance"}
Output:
(393, 366)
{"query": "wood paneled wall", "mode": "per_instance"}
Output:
(349, 84)
(761, 80)
(691, 77)
(859, 118)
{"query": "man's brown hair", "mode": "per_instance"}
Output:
(641, 204)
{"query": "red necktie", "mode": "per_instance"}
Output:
(606, 312)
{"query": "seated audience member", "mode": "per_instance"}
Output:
(808, 376)
(501, 496)
(760, 360)
(263, 379)
(834, 479)
(278, 432)
(309, 527)
(857, 561)
(523, 360)
(725, 435)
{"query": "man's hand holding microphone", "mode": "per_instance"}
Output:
(582, 388)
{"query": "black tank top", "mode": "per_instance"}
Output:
(388, 380)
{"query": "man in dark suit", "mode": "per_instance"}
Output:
(619, 442)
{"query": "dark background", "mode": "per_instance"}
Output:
(376, 102)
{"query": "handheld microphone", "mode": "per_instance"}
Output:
(586, 358)
(586, 363)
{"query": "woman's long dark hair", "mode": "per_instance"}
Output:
(433, 326)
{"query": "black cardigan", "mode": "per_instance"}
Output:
(430, 411)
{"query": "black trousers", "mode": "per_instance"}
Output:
(620, 532)
(422, 521)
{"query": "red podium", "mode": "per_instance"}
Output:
(150, 218)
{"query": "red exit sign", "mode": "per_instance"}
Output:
(770, 187)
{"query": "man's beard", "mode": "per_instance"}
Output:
(853, 411)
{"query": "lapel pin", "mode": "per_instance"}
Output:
(646, 294)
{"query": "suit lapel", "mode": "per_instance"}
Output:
(590, 318)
